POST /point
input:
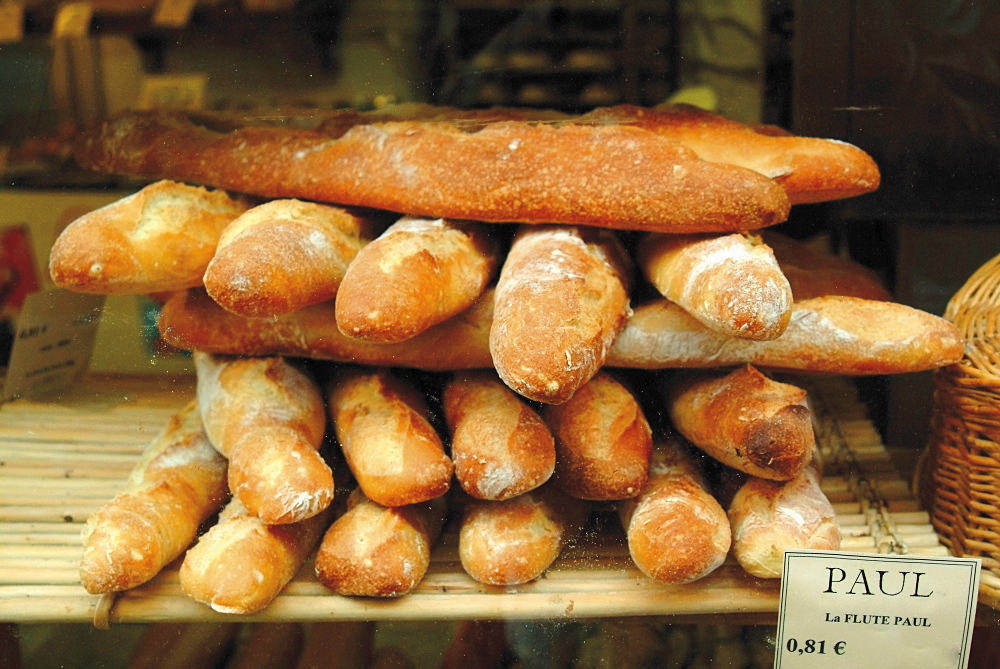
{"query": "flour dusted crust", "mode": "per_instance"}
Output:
(158, 239)
(605, 175)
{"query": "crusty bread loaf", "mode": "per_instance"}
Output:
(834, 334)
(514, 541)
(193, 321)
(179, 482)
(416, 274)
(561, 299)
(770, 517)
(379, 551)
(283, 255)
(603, 441)
(813, 273)
(811, 169)
(745, 420)
(267, 416)
(383, 426)
(602, 174)
(241, 564)
(730, 283)
(158, 239)
(501, 447)
(677, 531)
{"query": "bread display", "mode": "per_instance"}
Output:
(476, 309)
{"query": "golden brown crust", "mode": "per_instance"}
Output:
(613, 176)
(603, 441)
(241, 564)
(811, 169)
(501, 447)
(158, 239)
(416, 274)
(831, 334)
(744, 420)
(284, 255)
(514, 541)
(561, 299)
(731, 283)
(378, 551)
(267, 416)
(677, 532)
(383, 427)
(769, 517)
(177, 484)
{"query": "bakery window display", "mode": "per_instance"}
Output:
(507, 323)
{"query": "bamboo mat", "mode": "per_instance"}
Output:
(60, 460)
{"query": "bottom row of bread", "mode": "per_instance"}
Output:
(703, 465)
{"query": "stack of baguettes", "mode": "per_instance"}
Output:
(478, 297)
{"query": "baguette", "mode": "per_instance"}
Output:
(241, 564)
(383, 426)
(158, 239)
(283, 255)
(267, 417)
(811, 169)
(676, 530)
(516, 540)
(770, 517)
(501, 447)
(561, 299)
(418, 273)
(509, 171)
(745, 420)
(603, 441)
(177, 484)
(830, 334)
(730, 283)
(378, 551)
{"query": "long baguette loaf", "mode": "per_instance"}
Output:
(267, 417)
(769, 517)
(561, 299)
(514, 541)
(177, 484)
(158, 239)
(416, 274)
(378, 551)
(283, 255)
(745, 420)
(501, 447)
(730, 283)
(834, 334)
(517, 171)
(603, 441)
(241, 564)
(811, 169)
(677, 531)
(383, 426)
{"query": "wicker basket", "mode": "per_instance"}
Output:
(964, 444)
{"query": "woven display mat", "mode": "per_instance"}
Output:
(60, 460)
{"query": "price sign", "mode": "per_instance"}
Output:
(73, 19)
(11, 21)
(842, 609)
(173, 13)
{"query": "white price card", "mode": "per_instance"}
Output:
(73, 19)
(841, 609)
(11, 21)
(173, 13)
(54, 342)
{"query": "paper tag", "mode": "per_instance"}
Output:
(843, 609)
(73, 19)
(53, 343)
(173, 91)
(11, 21)
(173, 13)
